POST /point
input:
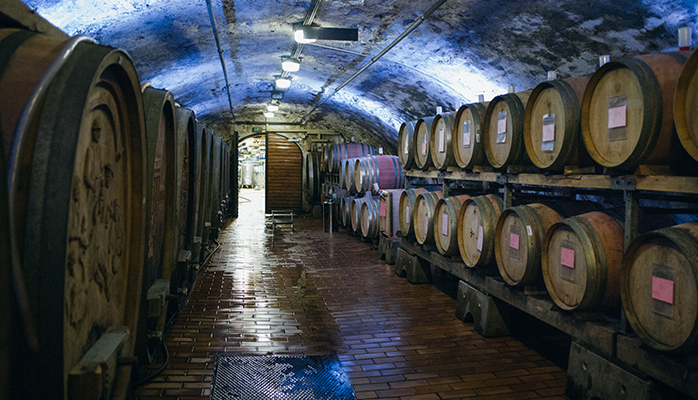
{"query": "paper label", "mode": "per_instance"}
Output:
(514, 241)
(548, 142)
(663, 289)
(444, 224)
(617, 118)
(528, 229)
(502, 127)
(477, 138)
(383, 208)
(426, 225)
(466, 134)
(480, 238)
(424, 145)
(407, 145)
(442, 140)
(567, 257)
(407, 213)
(375, 186)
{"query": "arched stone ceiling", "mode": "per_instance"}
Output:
(466, 48)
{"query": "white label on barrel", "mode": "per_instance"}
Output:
(407, 213)
(442, 140)
(407, 144)
(514, 241)
(567, 257)
(663, 289)
(480, 238)
(616, 116)
(444, 224)
(466, 133)
(426, 225)
(424, 145)
(502, 127)
(548, 132)
(528, 229)
(375, 186)
(383, 208)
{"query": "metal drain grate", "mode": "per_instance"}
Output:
(288, 265)
(280, 378)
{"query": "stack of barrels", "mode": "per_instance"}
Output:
(114, 197)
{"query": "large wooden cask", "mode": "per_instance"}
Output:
(76, 204)
(215, 184)
(10, 322)
(581, 262)
(627, 111)
(446, 224)
(370, 226)
(408, 198)
(313, 176)
(405, 144)
(343, 151)
(345, 211)
(659, 287)
(355, 212)
(518, 242)
(423, 218)
(441, 145)
(389, 210)
(685, 104)
(477, 222)
(205, 196)
(422, 139)
(553, 124)
(378, 172)
(504, 121)
(468, 139)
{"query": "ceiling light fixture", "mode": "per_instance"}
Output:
(289, 64)
(309, 34)
(299, 37)
(269, 115)
(282, 82)
(272, 107)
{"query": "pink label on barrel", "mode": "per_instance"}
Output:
(444, 224)
(426, 225)
(663, 289)
(567, 257)
(514, 241)
(502, 125)
(616, 117)
(480, 238)
(407, 213)
(549, 133)
(383, 208)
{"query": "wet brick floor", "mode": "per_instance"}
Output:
(317, 293)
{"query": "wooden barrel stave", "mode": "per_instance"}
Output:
(389, 212)
(344, 151)
(446, 224)
(355, 212)
(214, 210)
(518, 242)
(581, 262)
(405, 144)
(370, 226)
(407, 201)
(507, 148)
(684, 106)
(468, 142)
(205, 207)
(560, 101)
(441, 145)
(659, 287)
(312, 176)
(422, 138)
(423, 217)
(477, 222)
(386, 171)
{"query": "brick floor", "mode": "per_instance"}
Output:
(395, 340)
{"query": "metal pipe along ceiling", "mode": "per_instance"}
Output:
(409, 30)
(220, 55)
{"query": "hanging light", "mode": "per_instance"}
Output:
(271, 107)
(289, 64)
(282, 83)
(269, 114)
(299, 36)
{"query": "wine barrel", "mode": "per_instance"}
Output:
(405, 144)
(355, 212)
(345, 210)
(518, 242)
(79, 194)
(201, 238)
(446, 224)
(408, 198)
(313, 177)
(214, 182)
(468, 144)
(9, 326)
(659, 287)
(503, 129)
(553, 124)
(627, 111)
(684, 110)
(370, 226)
(441, 145)
(477, 222)
(581, 262)
(343, 151)
(422, 138)
(346, 175)
(389, 212)
(423, 217)
(385, 171)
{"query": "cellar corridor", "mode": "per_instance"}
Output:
(317, 293)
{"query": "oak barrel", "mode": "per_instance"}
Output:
(423, 218)
(518, 242)
(81, 186)
(627, 111)
(441, 145)
(370, 226)
(553, 124)
(384, 171)
(659, 287)
(405, 144)
(446, 224)
(503, 130)
(342, 151)
(581, 262)
(9, 326)
(355, 212)
(468, 142)
(345, 211)
(346, 174)
(422, 138)
(685, 105)
(215, 185)
(313, 177)
(206, 191)
(408, 198)
(389, 210)
(477, 222)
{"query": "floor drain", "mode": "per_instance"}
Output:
(280, 378)
(288, 265)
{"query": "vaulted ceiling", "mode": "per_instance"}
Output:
(465, 48)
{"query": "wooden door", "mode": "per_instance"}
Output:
(284, 163)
